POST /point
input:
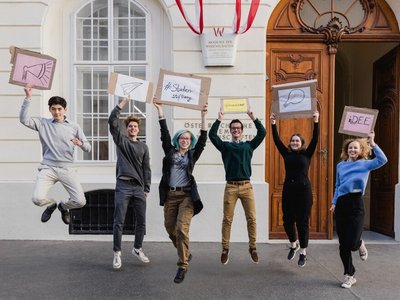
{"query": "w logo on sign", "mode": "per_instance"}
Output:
(218, 31)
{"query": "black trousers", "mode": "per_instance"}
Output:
(296, 208)
(349, 215)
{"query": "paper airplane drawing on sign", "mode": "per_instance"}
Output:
(127, 86)
(31, 68)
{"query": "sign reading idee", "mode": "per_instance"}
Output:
(185, 90)
(358, 121)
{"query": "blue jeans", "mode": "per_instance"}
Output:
(125, 191)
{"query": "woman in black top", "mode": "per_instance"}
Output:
(296, 193)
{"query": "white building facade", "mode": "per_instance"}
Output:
(90, 39)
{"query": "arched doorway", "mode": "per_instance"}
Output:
(330, 41)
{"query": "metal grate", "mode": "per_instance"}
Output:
(97, 216)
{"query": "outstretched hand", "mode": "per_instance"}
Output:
(316, 116)
(251, 114)
(272, 117)
(371, 139)
(159, 107)
(28, 91)
(220, 114)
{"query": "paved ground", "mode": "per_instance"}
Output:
(83, 270)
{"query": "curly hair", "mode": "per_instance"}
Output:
(365, 148)
(131, 119)
(302, 140)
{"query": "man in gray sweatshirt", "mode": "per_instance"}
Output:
(133, 181)
(58, 136)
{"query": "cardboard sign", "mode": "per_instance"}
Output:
(127, 86)
(31, 68)
(358, 121)
(294, 100)
(184, 90)
(235, 105)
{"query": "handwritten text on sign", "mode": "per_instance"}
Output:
(358, 122)
(181, 89)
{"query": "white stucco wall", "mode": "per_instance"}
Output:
(46, 26)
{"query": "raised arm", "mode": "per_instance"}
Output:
(24, 117)
(214, 138)
(261, 132)
(313, 143)
(113, 120)
(278, 143)
(165, 135)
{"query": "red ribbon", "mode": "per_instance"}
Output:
(199, 15)
(250, 18)
(198, 29)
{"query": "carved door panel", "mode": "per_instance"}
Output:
(383, 181)
(296, 62)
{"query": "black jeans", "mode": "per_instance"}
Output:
(126, 191)
(349, 215)
(296, 208)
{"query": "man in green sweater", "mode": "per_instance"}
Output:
(236, 156)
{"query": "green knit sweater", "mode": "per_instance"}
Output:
(237, 155)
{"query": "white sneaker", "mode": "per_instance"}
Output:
(363, 251)
(117, 260)
(348, 281)
(140, 255)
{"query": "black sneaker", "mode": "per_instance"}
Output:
(46, 215)
(292, 252)
(180, 275)
(225, 256)
(64, 214)
(302, 260)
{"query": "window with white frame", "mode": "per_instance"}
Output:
(110, 36)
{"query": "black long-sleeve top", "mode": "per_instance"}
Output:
(297, 163)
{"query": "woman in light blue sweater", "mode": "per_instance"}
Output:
(351, 180)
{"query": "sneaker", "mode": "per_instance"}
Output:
(64, 214)
(46, 215)
(117, 260)
(180, 275)
(348, 281)
(140, 255)
(253, 255)
(292, 252)
(363, 251)
(225, 256)
(302, 260)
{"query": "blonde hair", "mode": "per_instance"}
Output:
(365, 148)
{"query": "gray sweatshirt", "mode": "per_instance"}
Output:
(57, 147)
(133, 160)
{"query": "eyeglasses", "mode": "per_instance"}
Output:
(236, 128)
(184, 138)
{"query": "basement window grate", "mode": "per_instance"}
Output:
(97, 216)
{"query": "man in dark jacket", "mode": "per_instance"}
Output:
(133, 181)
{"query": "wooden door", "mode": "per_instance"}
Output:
(296, 62)
(386, 100)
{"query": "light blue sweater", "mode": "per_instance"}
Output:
(353, 175)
